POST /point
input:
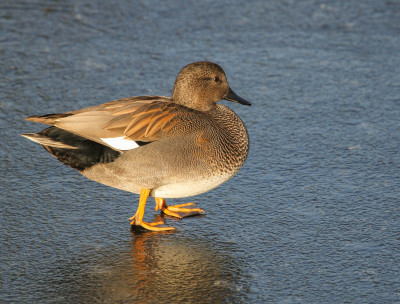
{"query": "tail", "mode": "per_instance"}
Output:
(47, 141)
(73, 150)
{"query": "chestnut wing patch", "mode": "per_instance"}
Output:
(146, 121)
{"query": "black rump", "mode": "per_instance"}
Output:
(86, 154)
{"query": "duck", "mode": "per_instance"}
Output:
(157, 146)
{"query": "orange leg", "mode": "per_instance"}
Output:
(137, 219)
(177, 210)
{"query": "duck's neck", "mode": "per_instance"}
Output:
(193, 103)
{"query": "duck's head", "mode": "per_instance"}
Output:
(201, 85)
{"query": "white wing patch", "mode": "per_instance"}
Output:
(120, 143)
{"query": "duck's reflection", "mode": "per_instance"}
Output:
(166, 268)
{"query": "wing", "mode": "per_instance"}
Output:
(121, 123)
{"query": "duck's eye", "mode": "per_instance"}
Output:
(216, 79)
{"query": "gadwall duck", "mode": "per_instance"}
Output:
(164, 147)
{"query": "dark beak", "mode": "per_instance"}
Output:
(231, 96)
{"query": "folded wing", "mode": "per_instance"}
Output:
(120, 124)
